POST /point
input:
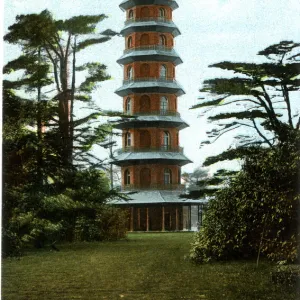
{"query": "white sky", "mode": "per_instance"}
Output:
(212, 31)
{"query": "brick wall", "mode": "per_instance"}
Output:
(136, 102)
(153, 39)
(156, 136)
(156, 171)
(139, 69)
(151, 11)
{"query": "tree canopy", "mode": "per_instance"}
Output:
(54, 186)
(257, 212)
(259, 98)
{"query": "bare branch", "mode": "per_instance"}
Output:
(261, 135)
(225, 132)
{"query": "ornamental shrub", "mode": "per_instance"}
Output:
(257, 214)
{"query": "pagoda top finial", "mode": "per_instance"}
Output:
(127, 4)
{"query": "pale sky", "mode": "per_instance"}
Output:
(211, 31)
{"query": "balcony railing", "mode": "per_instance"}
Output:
(149, 149)
(154, 186)
(148, 19)
(150, 79)
(150, 47)
(173, 113)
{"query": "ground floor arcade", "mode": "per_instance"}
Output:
(162, 211)
(164, 217)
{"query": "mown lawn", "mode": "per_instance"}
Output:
(147, 266)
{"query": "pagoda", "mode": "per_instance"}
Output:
(151, 156)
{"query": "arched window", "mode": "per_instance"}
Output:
(162, 40)
(129, 73)
(163, 71)
(145, 70)
(167, 176)
(145, 177)
(162, 12)
(145, 12)
(127, 176)
(145, 104)
(144, 41)
(145, 139)
(130, 14)
(163, 105)
(128, 105)
(128, 139)
(166, 140)
(129, 42)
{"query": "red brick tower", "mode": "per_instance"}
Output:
(151, 157)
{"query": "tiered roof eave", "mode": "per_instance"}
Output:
(127, 4)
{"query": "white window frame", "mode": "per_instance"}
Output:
(163, 71)
(164, 104)
(167, 176)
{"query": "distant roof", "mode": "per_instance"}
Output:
(156, 197)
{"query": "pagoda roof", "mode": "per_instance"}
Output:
(146, 53)
(129, 158)
(150, 85)
(156, 197)
(126, 4)
(158, 25)
(151, 121)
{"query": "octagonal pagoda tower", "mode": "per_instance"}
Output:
(150, 157)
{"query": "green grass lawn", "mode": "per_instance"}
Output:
(147, 266)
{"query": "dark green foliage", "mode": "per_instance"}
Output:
(201, 185)
(263, 90)
(109, 223)
(257, 212)
(288, 275)
(50, 177)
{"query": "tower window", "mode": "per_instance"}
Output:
(145, 104)
(129, 42)
(166, 140)
(162, 12)
(167, 176)
(162, 40)
(128, 139)
(145, 12)
(130, 15)
(128, 105)
(163, 72)
(144, 39)
(129, 73)
(145, 70)
(127, 176)
(163, 105)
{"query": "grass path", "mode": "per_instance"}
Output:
(147, 266)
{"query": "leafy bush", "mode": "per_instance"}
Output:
(286, 275)
(109, 224)
(44, 215)
(257, 213)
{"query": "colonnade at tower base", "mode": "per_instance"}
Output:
(162, 211)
